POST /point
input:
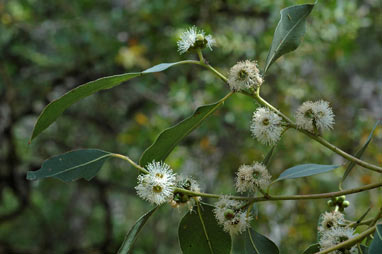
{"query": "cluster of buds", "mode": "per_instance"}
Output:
(339, 202)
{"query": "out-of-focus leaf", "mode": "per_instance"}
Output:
(268, 157)
(170, 138)
(262, 244)
(54, 109)
(194, 239)
(305, 170)
(73, 165)
(376, 245)
(359, 153)
(289, 31)
(312, 249)
(134, 231)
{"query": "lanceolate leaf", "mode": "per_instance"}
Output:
(54, 109)
(261, 244)
(312, 249)
(359, 153)
(84, 163)
(170, 138)
(376, 244)
(200, 233)
(268, 157)
(305, 170)
(134, 231)
(289, 31)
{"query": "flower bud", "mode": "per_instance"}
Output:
(346, 203)
(341, 199)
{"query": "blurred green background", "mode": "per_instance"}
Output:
(48, 47)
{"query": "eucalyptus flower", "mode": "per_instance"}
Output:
(244, 75)
(194, 38)
(330, 220)
(266, 126)
(315, 115)
(229, 214)
(337, 235)
(251, 176)
(157, 186)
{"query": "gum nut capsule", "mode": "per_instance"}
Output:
(346, 203)
(330, 203)
(341, 198)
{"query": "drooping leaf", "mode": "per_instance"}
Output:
(170, 138)
(360, 219)
(268, 157)
(54, 109)
(359, 153)
(262, 244)
(289, 31)
(312, 249)
(376, 245)
(73, 165)
(134, 231)
(305, 170)
(194, 239)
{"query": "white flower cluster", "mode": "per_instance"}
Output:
(228, 213)
(194, 38)
(316, 115)
(333, 231)
(331, 220)
(250, 177)
(266, 126)
(336, 236)
(157, 186)
(244, 75)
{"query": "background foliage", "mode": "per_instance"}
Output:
(49, 47)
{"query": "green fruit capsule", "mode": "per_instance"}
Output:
(346, 203)
(341, 199)
(330, 203)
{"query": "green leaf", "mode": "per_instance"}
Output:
(134, 231)
(268, 157)
(364, 249)
(289, 31)
(73, 165)
(376, 245)
(170, 138)
(312, 249)
(359, 153)
(261, 244)
(194, 239)
(54, 109)
(305, 170)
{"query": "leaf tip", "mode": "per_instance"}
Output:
(31, 176)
